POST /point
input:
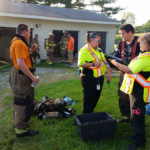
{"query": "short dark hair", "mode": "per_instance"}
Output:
(127, 28)
(21, 28)
(91, 35)
(69, 34)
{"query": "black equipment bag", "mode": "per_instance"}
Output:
(110, 57)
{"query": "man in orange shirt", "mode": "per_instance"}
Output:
(70, 48)
(21, 77)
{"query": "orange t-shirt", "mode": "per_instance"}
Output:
(70, 47)
(19, 49)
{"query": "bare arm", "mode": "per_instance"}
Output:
(86, 65)
(121, 67)
(34, 47)
(72, 45)
(25, 70)
(109, 74)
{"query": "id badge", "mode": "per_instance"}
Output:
(98, 87)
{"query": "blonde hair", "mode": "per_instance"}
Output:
(145, 37)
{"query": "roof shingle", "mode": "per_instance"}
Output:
(7, 6)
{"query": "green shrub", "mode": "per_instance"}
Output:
(117, 38)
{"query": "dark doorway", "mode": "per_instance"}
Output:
(6, 35)
(57, 38)
(102, 45)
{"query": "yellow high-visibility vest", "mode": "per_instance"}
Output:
(128, 83)
(97, 70)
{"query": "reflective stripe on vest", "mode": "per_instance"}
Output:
(146, 84)
(128, 82)
(99, 69)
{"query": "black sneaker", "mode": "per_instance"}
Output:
(28, 133)
(123, 120)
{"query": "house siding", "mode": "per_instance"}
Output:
(45, 26)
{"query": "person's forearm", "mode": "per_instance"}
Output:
(25, 70)
(110, 70)
(34, 47)
(86, 65)
(123, 68)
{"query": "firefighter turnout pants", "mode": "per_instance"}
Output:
(50, 55)
(23, 98)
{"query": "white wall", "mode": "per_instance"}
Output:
(48, 26)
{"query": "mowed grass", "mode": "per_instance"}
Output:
(60, 133)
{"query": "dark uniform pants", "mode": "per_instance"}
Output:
(124, 100)
(91, 94)
(23, 98)
(138, 116)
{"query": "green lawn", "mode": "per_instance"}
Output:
(61, 134)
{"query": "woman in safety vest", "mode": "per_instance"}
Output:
(91, 62)
(137, 84)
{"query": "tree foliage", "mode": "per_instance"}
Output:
(67, 3)
(28, 1)
(106, 10)
(117, 38)
(143, 28)
(78, 4)
(128, 17)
